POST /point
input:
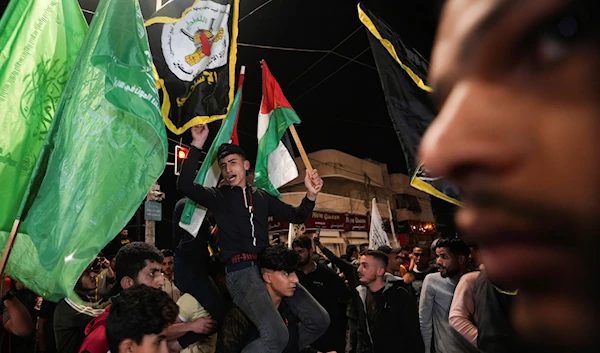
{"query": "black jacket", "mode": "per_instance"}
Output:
(397, 326)
(333, 295)
(241, 213)
(191, 251)
(351, 273)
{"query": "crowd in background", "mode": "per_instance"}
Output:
(406, 299)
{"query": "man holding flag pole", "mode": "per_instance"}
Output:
(241, 211)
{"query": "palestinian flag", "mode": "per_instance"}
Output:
(403, 73)
(275, 166)
(194, 48)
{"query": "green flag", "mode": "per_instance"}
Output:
(39, 42)
(106, 147)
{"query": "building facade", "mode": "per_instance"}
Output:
(342, 211)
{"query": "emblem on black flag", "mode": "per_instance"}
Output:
(194, 48)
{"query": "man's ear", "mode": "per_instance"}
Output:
(266, 276)
(127, 282)
(380, 271)
(246, 165)
(127, 346)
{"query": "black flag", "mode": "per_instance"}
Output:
(194, 48)
(403, 71)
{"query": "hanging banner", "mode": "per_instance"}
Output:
(194, 48)
(403, 73)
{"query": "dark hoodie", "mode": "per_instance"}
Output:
(396, 327)
(95, 332)
(241, 213)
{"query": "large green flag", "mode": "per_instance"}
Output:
(106, 147)
(39, 42)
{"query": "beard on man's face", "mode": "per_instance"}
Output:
(305, 261)
(450, 271)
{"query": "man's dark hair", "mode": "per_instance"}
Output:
(377, 255)
(303, 242)
(137, 312)
(131, 259)
(111, 257)
(407, 248)
(229, 148)
(426, 249)
(456, 246)
(350, 249)
(388, 250)
(278, 258)
(167, 252)
(364, 245)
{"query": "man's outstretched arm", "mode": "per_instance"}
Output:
(300, 214)
(196, 192)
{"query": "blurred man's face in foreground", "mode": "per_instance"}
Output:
(517, 84)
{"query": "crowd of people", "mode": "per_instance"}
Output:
(518, 131)
(131, 303)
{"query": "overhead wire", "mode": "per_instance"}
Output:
(333, 73)
(255, 10)
(260, 46)
(323, 57)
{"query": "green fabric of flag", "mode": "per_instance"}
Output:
(106, 146)
(39, 43)
(223, 136)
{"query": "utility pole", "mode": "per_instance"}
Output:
(153, 212)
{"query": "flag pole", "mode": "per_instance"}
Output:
(300, 148)
(303, 154)
(234, 135)
(242, 75)
(9, 245)
(291, 235)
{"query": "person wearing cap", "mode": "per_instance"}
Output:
(241, 212)
(395, 266)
